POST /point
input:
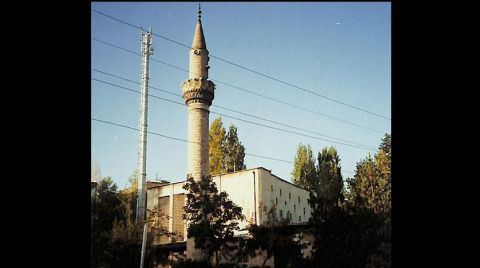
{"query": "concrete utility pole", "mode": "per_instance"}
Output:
(144, 242)
(147, 50)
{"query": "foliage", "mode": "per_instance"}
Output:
(212, 217)
(304, 168)
(328, 193)
(355, 231)
(226, 152)
(276, 238)
(105, 213)
(386, 144)
(329, 175)
(234, 151)
(216, 147)
(116, 238)
(371, 190)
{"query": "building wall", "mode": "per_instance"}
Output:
(164, 206)
(284, 195)
(240, 188)
(178, 225)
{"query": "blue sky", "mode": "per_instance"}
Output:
(340, 50)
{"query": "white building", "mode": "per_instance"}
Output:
(255, 190)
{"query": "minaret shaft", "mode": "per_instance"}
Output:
(198, 93)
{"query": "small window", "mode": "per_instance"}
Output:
(289, 196)
(281, 214)
(299, 199)
(300, 218)
(285, 202)
(271, 188)
(280, 192)
(276, 201)
(294, 208)
(304, 211)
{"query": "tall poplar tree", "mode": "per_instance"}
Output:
(234, 151)
(216, 147)
(304, 168)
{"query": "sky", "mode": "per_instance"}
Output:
(338, 50)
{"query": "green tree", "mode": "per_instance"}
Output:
(329, 174)
(107, 212)
(304, 168)
(216, 147)
(329, 190)
(386, 144)
(371, 186)
(234, 151)
(212, 217)
(370, 193)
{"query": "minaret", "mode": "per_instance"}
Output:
(198, 95)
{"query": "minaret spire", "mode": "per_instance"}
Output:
(198, 37)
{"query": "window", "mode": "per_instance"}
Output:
(299, 199)
(289, 196)
(281, 214)
(285, 202)
(276, 201)
(304, 211)
(294, 208)
(271, 188)
(300, 218)
(280, 192)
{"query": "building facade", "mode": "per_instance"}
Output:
(256, 190)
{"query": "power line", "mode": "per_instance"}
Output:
(246, 90)
(172, 138)
(183, 140)
(235, 111)
(243, 120)
(125, 79)
(253, 71)
(293, 132)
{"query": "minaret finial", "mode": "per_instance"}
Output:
(199, 11)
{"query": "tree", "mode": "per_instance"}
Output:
(107, 212)
(156, 230)
(304, 168)
(329, 190)
(212, 217)
(234, 151)
(329, 175)
(276, 238)
(386, 144)
(226, 152)
(370, 187)
(370, 193)
(216, 147)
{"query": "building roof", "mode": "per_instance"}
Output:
(222, 174)
(153, 184)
